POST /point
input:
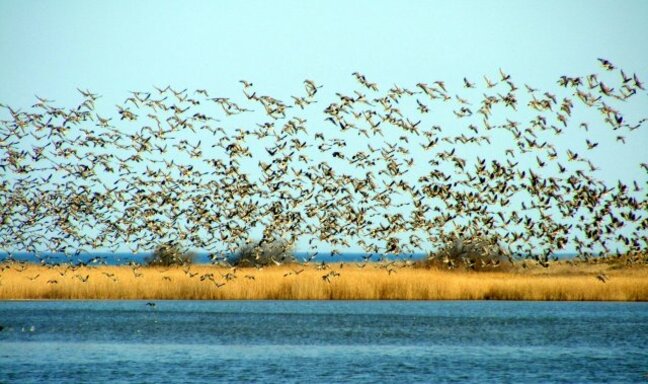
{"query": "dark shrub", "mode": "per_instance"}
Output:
(258, 254)
(476, 253)
(170, 254)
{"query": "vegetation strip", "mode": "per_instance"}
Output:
(349, 281)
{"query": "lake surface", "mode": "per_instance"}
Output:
(124, 258)
(327, 341)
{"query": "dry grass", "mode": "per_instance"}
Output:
(373, 282)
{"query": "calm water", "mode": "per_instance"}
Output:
(309, 342)
(123, 258)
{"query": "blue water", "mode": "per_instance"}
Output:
(328, 341)
(122, 258)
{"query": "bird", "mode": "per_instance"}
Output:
(606, 64)
(369, 165)
(84, 279)
(468, 84)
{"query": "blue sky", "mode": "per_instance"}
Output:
(50, 48)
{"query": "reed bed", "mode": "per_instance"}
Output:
(373, 282)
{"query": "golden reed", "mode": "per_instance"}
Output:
(289, 282)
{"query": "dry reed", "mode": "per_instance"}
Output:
(373, 282)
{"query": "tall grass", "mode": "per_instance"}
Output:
(373, 282)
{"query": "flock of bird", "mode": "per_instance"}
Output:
(395, 170)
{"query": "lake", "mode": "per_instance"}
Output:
(322, 341)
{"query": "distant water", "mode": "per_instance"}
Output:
(122, 258)
(330, 341)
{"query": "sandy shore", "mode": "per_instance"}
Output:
(349, 281)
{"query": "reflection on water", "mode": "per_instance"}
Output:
(297, 341)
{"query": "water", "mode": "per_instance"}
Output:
(328, 341)
(123, 258)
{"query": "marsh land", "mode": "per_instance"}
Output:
(340, 281)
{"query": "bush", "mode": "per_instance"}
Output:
(263, 254)
(476, 253)
(170, 254)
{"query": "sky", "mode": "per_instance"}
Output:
(49, 48)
